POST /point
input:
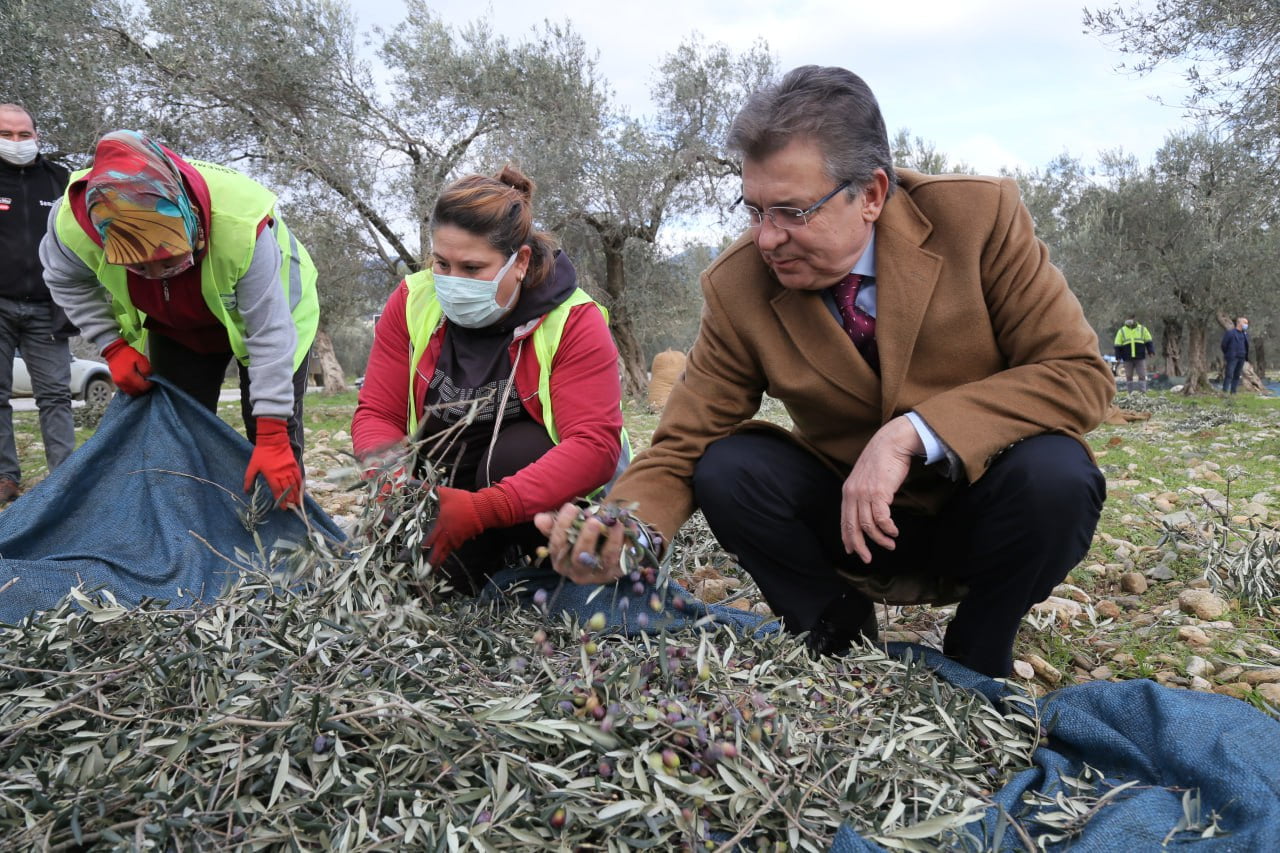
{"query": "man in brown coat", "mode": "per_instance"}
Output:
(938, 371)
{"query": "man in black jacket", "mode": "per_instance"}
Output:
(29, 318)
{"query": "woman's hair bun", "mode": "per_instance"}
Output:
(514, 178)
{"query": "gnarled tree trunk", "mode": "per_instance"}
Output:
(324, 363)
(1197, 365)
(630, 352)
(1171, 346)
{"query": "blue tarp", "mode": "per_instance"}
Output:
(1167, 740)
(149, 507)
(129, 510)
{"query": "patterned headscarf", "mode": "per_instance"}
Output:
(137, 202)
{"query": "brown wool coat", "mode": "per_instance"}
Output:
(977, 332)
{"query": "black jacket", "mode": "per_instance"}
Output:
(27, 193)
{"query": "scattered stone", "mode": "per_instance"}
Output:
(1133, 583)
(1199, 583)
(1198, 666)
(1107, 609)
(1202, 603)
(1269, 675)
(1163, 504)
(1191, 635)
(1024, 670)
(1142, 620)
(712, 591)
(761, 609)
(1075, 593)
(1267, 651)
(1045, 670)
(1124, 659)
(1200, 684)
(1178, 519)
(1236, 690)
(1102, 673)
(1160, 572)
(1270, 693)
(1231, 673)
(1063, 609)
(1255, 510)
(1128, 602)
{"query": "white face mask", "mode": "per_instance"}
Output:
(21, 153)
(473, 302)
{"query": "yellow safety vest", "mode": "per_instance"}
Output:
(423, 316)
(1134, 338)
(239, 204)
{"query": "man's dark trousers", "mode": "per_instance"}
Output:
(1009, 538)
(1231, 372)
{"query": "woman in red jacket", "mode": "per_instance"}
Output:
(498, 343)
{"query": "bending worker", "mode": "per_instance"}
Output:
(496, 352)
(190, 262)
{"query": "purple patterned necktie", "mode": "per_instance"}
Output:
(858, 324)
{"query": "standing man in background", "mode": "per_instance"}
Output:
(1133, 345)
(1235, 352)
(29, 318)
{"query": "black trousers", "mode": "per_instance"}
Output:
(518, 446)
(200, 375)
(1009, 538)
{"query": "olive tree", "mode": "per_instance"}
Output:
(645, 172)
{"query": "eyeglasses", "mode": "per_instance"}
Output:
(786, 218)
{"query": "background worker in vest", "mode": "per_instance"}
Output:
(189, 261)
(1133, 345)
(497, 324)
(28, 316)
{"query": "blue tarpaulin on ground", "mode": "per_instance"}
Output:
(149, 507)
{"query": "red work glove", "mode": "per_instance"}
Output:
(273, 459)
(129, 368)
(464, 516)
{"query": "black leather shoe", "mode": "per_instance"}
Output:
(8, 490)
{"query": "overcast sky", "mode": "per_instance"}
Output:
(991, 82)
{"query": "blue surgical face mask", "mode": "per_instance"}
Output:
(1244, 327)
(473, 302)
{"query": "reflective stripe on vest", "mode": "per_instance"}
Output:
(239, 204)
(1133, 338)
(423, 315)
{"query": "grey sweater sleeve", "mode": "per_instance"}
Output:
(76, 289)
(270, 334)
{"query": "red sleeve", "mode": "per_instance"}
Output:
(586, 391)
(382, 412)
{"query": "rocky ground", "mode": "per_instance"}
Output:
(1181, 583)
